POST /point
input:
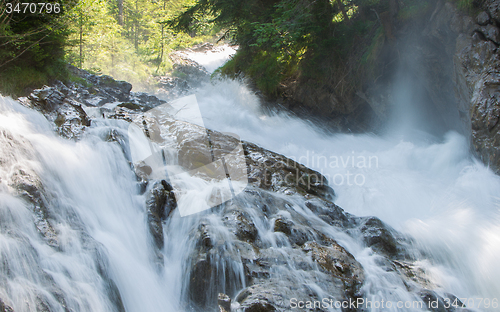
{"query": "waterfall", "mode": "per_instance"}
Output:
(93, 202)
(429, 187)
(96, 253)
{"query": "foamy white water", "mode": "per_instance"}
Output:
(212, 59)
(98, 215)
(428, 187)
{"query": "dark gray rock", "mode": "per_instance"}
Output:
(4, 307)
(160, 204)
(47, 98)
(330, 213)
(483, 18)
(493, 8)
(338, 262)
(224, 302)
(271, 171)
(492, 33)
(432, 301)
(379, 236)
(241, 224)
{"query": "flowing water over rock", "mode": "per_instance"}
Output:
(81, 231)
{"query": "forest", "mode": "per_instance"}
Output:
(279, 41)
(127, 39)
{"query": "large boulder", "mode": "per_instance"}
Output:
(160, 204)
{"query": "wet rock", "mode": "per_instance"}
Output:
(4, 307)
(492, 33)
(68, 116)
(278, 295)
(258, 298)
(131, 106)
(493, 8)
(188, 69)
(379, 236)
(271, 171)
(414, 275)
(200, 281)
(259, 306)
(281, 225)
(211, 273)
(29, 187)
(338, 262)
(26, 183)
(329, 212)
(47, 98)
(194, 146)
(483, 18)
(432, 301)
(72, 107)
(145, 100)
(160, 203)
(241, 224)
(215, 267)
(224, 302)
(297, 235)
(119, 89)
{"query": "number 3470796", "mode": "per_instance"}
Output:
(23, 8)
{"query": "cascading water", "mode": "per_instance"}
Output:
(92, 199)
(428, 187)
(103, 257)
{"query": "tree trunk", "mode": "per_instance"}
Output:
(81, 39)
(136, 43)
(120, 12)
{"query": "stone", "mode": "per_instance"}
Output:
(4, 307)
(430, 298)
(483, 18)
(47, 98)
(338, 262)
(224, 302)
(200, 281)
(241, 225)
(492, 33)
(160, 203)
(493, 8)
(271, 171)
(379, 237)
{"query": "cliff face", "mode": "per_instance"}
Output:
(441, 65)
(458, 65)
(446, 67)
(477, 72)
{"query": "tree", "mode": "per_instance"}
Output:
(274, 35)
(31, 45)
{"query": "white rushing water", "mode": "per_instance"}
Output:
(96, 211)
(429, 188)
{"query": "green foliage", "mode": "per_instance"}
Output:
(317, 42)
(414, 10)
(134, 50)
(31, 48)
(274, 36)
(471, 7)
